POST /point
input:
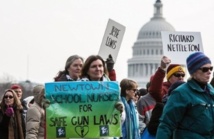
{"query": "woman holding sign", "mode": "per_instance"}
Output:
(95, 69)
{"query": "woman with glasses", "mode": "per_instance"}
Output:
(130, 127)
(12, 124)
(189, 111)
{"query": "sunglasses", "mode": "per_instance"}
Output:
(179, 75)
(10, 97)
(206, 69)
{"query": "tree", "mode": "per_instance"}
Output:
(5, 78)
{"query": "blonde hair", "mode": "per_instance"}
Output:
(38, 93)
(17, 103)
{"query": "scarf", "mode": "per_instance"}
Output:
(15, 130)
(68, 77)
(131, 121)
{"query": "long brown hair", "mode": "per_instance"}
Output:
(88, 62)
(17, 104)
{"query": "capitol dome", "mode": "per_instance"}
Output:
(153, 28)
(148, 49)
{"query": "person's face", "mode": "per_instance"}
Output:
(18, 93)
(136, 98)
(9, 98)
(96, 70)
(131, 94)
(75, 69)
(178, 76)
(203, 74)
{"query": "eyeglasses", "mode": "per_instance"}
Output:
(178, 75)
(206, 69)
(10, 97)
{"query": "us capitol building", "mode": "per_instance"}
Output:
(147, 50)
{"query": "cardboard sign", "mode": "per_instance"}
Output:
(112, 40)
(82, 110)
(179, 45)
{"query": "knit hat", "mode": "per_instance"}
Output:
(173, 68)
(15, 86)
(195, 61)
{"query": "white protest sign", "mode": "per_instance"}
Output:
(179, 45)
(112, 40)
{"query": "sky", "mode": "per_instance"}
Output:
(37, 36)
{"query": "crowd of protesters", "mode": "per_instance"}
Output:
(165, 109)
